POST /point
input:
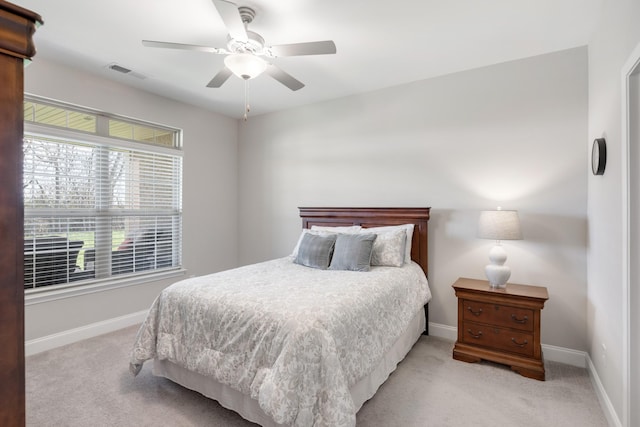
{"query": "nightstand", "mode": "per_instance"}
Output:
(500, 325)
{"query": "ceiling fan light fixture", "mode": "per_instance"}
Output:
(245, 65)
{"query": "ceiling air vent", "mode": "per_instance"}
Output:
(124, 70)
(118, 68)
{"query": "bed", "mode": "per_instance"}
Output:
(281, 343)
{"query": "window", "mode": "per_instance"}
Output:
(102, 196)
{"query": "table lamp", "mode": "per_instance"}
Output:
(498, 225)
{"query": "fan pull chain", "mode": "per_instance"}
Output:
(247, 108)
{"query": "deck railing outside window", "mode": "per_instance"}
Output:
(102, 196)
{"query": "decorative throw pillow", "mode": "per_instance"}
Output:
(297, 246)
(353, 252)
(302, 234)
(408, 228)
(315, 251)
(389, 248)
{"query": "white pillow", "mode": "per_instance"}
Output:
(408, 228)
(388, 248)
(350, 229)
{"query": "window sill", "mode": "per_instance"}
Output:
(73, 290)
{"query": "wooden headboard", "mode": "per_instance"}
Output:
(376, 217)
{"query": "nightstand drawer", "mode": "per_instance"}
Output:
(499, 338)
(499, 315)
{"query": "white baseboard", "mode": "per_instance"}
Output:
(605, 403)
(49, 342)
(565, 355)
(449, 333)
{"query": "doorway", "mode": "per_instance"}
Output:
(631, 293)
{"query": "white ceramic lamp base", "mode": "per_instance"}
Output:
(497, 273)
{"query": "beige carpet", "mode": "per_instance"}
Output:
(88, 384)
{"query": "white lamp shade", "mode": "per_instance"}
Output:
(499, 225)
(245, 65)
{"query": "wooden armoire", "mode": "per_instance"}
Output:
(17, 26)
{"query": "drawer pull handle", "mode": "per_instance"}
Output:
(523, 320)
(518, 344)
(475, 313)
(474, 335)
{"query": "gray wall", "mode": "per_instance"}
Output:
(617, 35)
(209, 197)
(512, 135)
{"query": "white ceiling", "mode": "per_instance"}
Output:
(379, 43)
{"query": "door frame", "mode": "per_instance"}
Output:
(630, 188)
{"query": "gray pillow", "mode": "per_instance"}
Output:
(315, 250)
(353, 252)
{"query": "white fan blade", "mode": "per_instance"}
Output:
(311, 48)
(285, 78)
(181, 46)
(220, 78)
(231, 17)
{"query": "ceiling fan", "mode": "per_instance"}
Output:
(246, 49)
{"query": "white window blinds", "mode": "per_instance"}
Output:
(98, 207)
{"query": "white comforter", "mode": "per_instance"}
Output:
(292, 337)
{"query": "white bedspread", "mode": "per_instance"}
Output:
(292, 337)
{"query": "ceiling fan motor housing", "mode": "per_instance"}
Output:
(254, 44)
